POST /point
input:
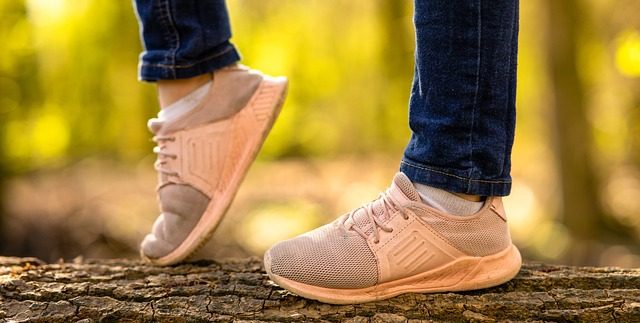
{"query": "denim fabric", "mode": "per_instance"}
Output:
(183, 38)
(462, 106)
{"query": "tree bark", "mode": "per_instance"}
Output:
(130, 291)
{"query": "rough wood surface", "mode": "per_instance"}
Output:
(129, 291)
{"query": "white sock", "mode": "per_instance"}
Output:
(184, 105)
(446, 201)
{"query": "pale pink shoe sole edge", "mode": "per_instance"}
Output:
(204, 229)
(467, 273)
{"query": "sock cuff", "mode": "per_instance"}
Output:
(447, 201)
(185, 104)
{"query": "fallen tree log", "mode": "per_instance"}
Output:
(204, 291)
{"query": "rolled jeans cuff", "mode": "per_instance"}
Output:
(223, 56)
(451, 181)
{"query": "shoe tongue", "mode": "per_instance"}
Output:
(403, 184)
(401, 189)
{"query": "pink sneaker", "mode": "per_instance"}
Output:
(203, 157)
(393, 245)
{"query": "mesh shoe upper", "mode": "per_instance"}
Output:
(192, 159)
(329, 256)
(181, 209)
(477, 236)
(483, 234)
(392, 237)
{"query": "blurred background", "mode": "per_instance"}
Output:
(76, 175)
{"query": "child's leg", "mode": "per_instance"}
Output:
(423, 237)
(215, 116)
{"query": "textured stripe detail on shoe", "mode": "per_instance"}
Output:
(262, 105)
(207, 153)
(411, 252)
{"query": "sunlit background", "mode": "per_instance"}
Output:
(76, 176)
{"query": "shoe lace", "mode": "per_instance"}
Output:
(389, 204)
(161, 163)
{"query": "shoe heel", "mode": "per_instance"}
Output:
(493, 270)
(272, 89)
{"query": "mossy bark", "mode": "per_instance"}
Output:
(130, 291)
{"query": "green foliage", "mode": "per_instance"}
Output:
(69, 86)
(69, 90)
(69, 83)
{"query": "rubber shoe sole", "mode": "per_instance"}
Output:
(463, 274)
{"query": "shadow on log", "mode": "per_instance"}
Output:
(205, 291)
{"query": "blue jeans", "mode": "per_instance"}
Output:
(183, 38)
(462, 106)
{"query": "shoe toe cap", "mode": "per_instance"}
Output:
(267, 262)
(324, 259)
(153, 247)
